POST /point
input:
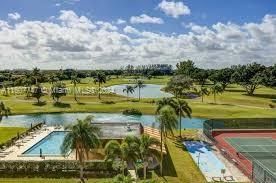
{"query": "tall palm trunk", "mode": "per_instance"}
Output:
(180, 125)
(139, 93)
(202, 98)
(215, 97)
(75, 95)
(145, 168)
(99, 91)
(161, 162)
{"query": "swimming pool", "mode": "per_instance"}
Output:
(207, 161)
(68, 118)
(49, 145)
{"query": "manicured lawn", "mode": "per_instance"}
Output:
(179, 167)
(41, 180)
(7, 133)
(233, 103)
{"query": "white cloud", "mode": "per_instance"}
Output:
(57, 4)
(76, 41)
(14, 16)
(174, 9)
(120, 21)
(142, 19)
(131, 30)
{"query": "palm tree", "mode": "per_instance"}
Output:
(4, 111)
(168, 122)
(166, 101)
(139, 85)
(27, 82)
(82, 137)
(99, 78)
(145, 144)
(36, 74)
(127, 151)
(75, 80)
(203, 92)
(182, 109)
(129, 89)
(216, 89)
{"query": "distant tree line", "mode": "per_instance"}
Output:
(249, 76)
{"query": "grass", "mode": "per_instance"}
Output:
(233, 103)
(7, 133)
(179, 167)
(45, 180)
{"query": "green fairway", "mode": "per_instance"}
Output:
(41, 180)
(229, 105)
(7, 133)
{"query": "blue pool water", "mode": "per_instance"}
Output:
(209, 164)
(50, 145)
(69, 118)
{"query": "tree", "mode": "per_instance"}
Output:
(75, 80)
(128, 89)
(99, 78)
(37, 92)
(182, 109)
(27, 82)
(82, 136)
(36, 74)
(270, 76)
(139, 85)
(203, 91)
(58, 90)
(200, 76)
(127, 151)
(216, 89)
(178, 85)
(145, 143)
(249, 76)
(122, 179)
(53, 78)
(222, 76)
(166, 101)
(168, 122)
(185, 68)
(4, 111)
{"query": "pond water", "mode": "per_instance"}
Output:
(69, 118)
(149, 91)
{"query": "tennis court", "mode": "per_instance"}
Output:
(260, 151)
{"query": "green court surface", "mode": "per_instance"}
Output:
(261, 150)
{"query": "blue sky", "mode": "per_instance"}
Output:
(203, 12)
(209, 27)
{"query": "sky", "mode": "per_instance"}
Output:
(109, 34)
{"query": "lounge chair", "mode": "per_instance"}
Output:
(217, 179)
(229, 178)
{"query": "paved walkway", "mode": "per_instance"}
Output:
(15, 152)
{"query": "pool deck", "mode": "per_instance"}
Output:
(15, 152)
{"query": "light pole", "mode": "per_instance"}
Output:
(198, 157)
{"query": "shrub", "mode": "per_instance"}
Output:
(132, 112)
(108, 102)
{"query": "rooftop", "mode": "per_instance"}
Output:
(118, 130)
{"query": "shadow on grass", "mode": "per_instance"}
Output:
(62, 105)
(268, 96)
(40, 103)
(168, 166)
(234, 90)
